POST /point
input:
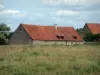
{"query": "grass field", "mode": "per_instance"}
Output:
(50, 60)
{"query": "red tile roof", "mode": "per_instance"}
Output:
(94, 27)
(37, 32)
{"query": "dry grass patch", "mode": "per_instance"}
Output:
(50, 60)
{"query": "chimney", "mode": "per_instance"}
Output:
(55, 25)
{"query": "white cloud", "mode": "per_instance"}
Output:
(13, 12)
(52, 2)
(1, 3)
(1, 6)
(20, 15)
(67, 13)
(71, 2)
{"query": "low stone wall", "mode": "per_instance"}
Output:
(56, 43)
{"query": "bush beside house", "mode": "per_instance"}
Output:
(4, 34)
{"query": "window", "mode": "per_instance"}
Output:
(74, 37)
(60, 36)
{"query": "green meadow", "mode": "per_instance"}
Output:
(50, 60)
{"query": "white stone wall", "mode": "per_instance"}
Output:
(56, 43)
(81, 43)
(49, 42)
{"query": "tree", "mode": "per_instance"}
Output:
(4, 27)
(2, 39)
(79, 30)
(10, 34)
(89, 37)
(4, 33)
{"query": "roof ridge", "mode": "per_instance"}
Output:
(45, 25)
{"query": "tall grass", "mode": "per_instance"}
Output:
(50, 60)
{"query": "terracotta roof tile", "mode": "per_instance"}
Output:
(37, 32)
(94, 27)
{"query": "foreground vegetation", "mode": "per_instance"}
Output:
(50, 60)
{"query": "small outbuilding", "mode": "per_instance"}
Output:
(93, 28)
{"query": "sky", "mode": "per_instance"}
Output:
(49, 12)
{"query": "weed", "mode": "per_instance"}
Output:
(1, 59)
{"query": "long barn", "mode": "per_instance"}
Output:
(27, 34)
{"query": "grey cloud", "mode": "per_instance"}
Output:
(1, 4)
(71, 2)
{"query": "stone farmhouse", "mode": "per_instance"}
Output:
(27, 34)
